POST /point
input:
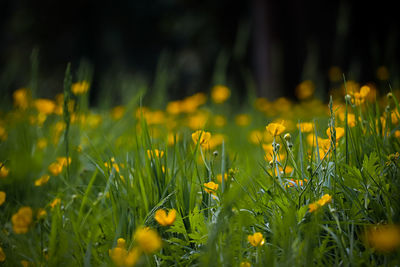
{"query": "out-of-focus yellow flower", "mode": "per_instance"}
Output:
(201, 137)
(197, 120)
(2, 197)
(305, 127)
(21, 98)
(42, 180)
(148, 240)
(256, 239)
(397, 134)
(325, 199)
(191, 103)
(155, 153)
(351, 118)
(2, 255)
(119, 253)
(41, 213)
(117, 112)
(275, 128)
(4, 171)
(352, 87)
(297, 182)
(22, 220)
(256, 137)
(383, 238)
(242, 120)
(220, 94)
(210, 187)
(339, 133)
(219, 177)
(55, 202)
(305, 90)
(216, 140)
(163, 219)
(364, 91)
(41, 143)
(382, 73)
(56, 167)
(174, 107)
(80, 88)
(45, 106)
(245, 264)
(219, 121)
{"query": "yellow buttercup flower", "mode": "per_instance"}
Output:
(45, 106)
(275, 128)
(148, 240)
(305, 89)
(242, 120)
(119, 253)
(118, 112)
(384, 238)
(21, 98)
(41, 213)
(55, 202)
(42, 180)
(220, 93)
(4, 171)
(325, 199)
(2, 197)
(22, 220)
(80, 88)
(163, 219)
(201, 137)
(245, 264)
(256, 239)
(24, 263)
(306, 127)
(210, 187)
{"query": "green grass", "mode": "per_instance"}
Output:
(111, 187)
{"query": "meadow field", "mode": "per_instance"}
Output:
(201, 181)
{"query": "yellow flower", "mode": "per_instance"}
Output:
(201, 137)
(56, 167)
(155, 153)
(364, 91)
(216, 140)
(41, 213)
(80, 88)
(119, 253)
(3, 170)
(148, 240)
(117, 112)
(55, 202)
(45, 106)
(22, 220)
(275, 128)
(174, 107)
(339, 133)
(306, 127)
(21, 98)
(245, 264)
(312, 207)
(210, 187)
(24, 263)
(163, 219)
(325, 199)
(305, 90)
(220, 93)
(41, 143)
(2, 255)
(256, 240)
(42, 180)
(384, 238)
(242, 120)
(2, 197)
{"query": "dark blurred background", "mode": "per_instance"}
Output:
(188, 45)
